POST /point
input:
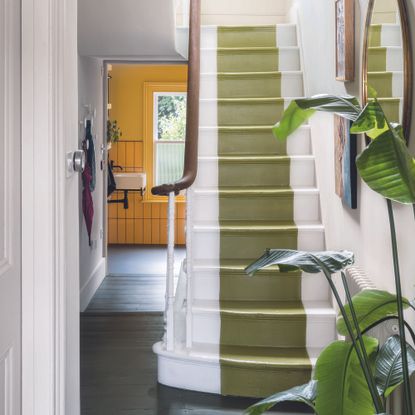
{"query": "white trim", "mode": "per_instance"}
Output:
(50, 266)
(92, 284)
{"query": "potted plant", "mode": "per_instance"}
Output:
(355, 376)
(113, 132)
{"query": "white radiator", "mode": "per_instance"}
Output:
(359, 281)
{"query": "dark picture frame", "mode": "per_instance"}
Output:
(345, 40)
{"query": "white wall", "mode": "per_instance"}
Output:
(92, 263)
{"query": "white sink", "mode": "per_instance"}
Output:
(130, 181)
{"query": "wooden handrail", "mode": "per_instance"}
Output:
(192, 115)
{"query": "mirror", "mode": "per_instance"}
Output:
(387, 59)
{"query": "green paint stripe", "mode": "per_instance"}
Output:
(377, 59)
(246, 36)
(375, 35)
(381, 82)
(247, 316)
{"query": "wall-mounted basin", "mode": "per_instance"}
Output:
(130, 181)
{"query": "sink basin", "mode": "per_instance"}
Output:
(130, 181)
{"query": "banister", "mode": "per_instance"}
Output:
(192, 115)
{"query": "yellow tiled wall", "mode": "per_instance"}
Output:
(144, 222)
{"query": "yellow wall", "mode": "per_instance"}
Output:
(144, 222)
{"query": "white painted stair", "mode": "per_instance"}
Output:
(220, 292)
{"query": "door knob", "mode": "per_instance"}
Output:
(75, 162)
(79, 161)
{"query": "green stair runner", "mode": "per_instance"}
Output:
(379, 77)
(263, 321)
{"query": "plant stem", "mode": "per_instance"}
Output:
(370, 382)
(358, 332)
(407, 385)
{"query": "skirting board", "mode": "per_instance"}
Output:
(92, 284)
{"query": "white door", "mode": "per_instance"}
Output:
(10, 210)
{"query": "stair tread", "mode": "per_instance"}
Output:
(384, 47)
(258, 157)
(269, 356)
(252, 48)
(264, 308)
(234, 265)
(251, 74)
(248, 128)
(264, 356)
(260, 225)
(236, 100)
(383, 72)
(258, 191)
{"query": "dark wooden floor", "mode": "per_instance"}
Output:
(121, 293)
(118, 366)
(119, 371)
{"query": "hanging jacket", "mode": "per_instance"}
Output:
(90, 153)
(87, 201)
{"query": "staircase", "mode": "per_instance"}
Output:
(249, 336)
(385, 67)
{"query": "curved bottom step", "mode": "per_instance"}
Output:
(204, 371)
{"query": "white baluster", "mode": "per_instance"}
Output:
(189, 267)
(169, 314)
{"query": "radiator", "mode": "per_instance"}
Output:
(358, 281)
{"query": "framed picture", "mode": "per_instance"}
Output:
(345, 40)
(345, 152)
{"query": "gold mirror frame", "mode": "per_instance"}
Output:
(407, 63)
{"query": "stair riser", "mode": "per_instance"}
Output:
(387, 84)
(250, 245)
(390, 60)
(252, 86)
(286, 36)
(393, 109)
(390, 35)
(247, 142)
(281, 331)
(248, 113)
(294, 172)
(239, 37)
(260, 383)
(256, 60)
(261, 287)
(252, 208)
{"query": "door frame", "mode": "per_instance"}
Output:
(50, 264)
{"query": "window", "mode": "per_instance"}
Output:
(169, 133)
(164, 134)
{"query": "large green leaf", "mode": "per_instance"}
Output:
(305, 394)
(370, 306)
(300, 110)
(342, 388)
(389, 373)
(293, 118)
(311, 262)
(388, 168)
(371, 121)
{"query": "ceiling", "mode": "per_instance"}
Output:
(127, 29)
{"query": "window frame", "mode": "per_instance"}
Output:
(150, 128)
